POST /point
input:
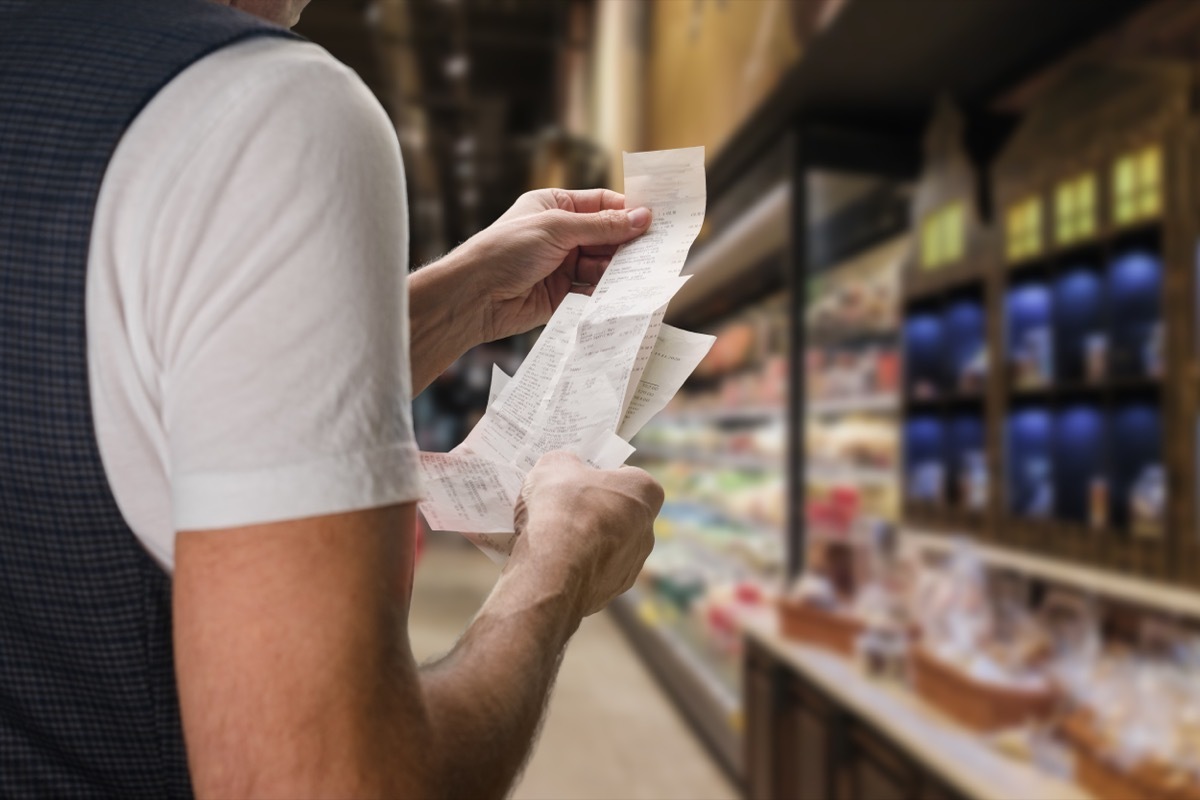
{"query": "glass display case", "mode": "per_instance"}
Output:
(721, 545)
(852, 389)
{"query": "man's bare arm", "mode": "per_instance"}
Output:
(294, 668)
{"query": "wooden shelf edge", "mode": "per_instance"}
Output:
(881, 403)
(768, 413)
(1102, 582)
(960, 758)
(745, 461)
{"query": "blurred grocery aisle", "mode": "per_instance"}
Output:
(931, 527)
(610, 732)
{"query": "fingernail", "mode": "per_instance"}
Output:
(639, 217)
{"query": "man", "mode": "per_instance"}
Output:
(207, 470)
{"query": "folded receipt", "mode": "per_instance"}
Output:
(602, 368)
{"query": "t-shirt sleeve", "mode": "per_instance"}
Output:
(282, 343)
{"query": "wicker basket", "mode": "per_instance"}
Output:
(1105, 779)
(979, 706)
(815, 626)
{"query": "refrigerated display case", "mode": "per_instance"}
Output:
(852, 386)
(719, 452)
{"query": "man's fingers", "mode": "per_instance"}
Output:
(557, 460)
(609, 226)
(642, 484)
(589, 201)
(590, 269)
(599, 250)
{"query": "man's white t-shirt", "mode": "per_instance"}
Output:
(247, 312)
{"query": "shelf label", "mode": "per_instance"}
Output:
(1137, 185)
(943, 235)
(1075, 209)
(1023, 229)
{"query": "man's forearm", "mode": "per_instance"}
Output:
(444, 314)
(485, 700)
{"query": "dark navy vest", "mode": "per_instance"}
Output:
(88, 705)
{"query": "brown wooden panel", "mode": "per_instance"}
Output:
(881, 771)
(759, 700)
(804, 757)
(932, 789)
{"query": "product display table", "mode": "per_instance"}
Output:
(958, 760)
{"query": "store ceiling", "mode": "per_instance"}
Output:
(879, 65)
(470, 85)
(488, 70)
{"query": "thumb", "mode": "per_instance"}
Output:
(610, 226)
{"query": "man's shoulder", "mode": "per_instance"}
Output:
(282, 90)
(265, 64)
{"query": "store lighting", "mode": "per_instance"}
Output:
(469, 197)
(413, 136)
(456, 66)
(465, 146)
(429, 209)
(373, 14)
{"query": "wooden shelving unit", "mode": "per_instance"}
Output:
(947, 331)
(1087, 285)
(1113, 251)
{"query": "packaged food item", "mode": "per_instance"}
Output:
(1148, 502)
(1098, 503)
(974, 481)
(973, 375)
(927, 482)
(1034, 358)
(1152, 351)
(1037, 498)
(850, 598)
(1095, 357)
(883, 647)
(1136, 719)
(993, 642)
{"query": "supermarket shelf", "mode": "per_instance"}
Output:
(1101, 582)
(858, 476)
(760, 231)
(738, 521)
(713, 709)
(729, 516)
(876, 403)
(959, 757)
(725, 415)
(735, 563)
(745, 461)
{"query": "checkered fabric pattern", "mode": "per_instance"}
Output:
(88, 706)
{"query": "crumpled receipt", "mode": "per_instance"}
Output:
(602, 368)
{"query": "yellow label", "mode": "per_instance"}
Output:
(1137, 182)
(943, 236)
(1023, 229)
(1075, 209)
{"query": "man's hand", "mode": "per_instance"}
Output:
(591, 530)
(550, 242)
(509, 277)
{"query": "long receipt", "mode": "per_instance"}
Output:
(602, 368)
